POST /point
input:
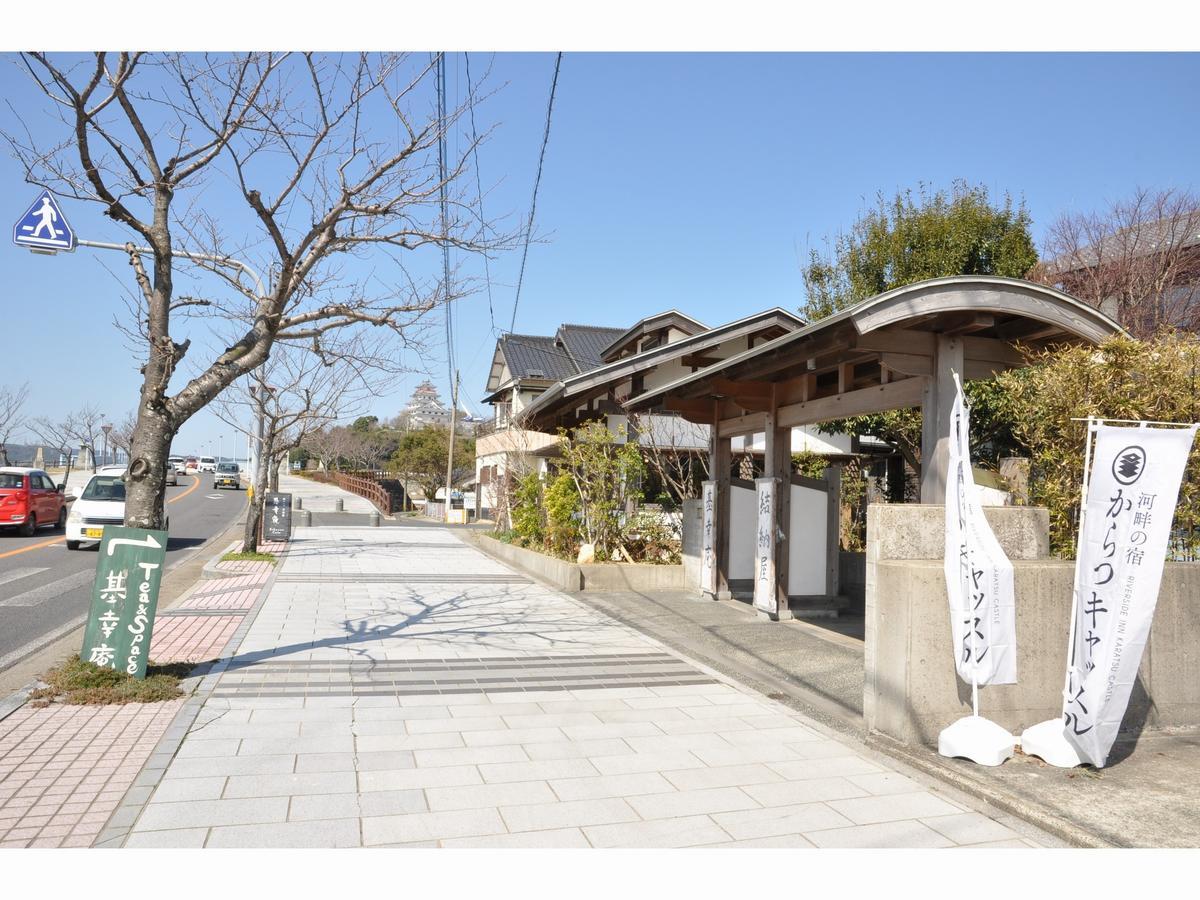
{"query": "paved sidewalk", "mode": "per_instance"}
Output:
(400, 688)
(319, 497)
(64, 770)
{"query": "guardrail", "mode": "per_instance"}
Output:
(364, 484)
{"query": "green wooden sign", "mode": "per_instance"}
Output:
(124, 597)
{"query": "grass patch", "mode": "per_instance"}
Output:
(244, 556)
(80, 683)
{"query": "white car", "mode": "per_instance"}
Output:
(176, 462)
(207, 464)
(101, 503)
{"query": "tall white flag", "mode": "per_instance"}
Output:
(979, 576)
(1131, 497)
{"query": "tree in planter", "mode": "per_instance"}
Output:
(528, 517)
(329, 158)
(421, 456)
(606, 471)
(294, 394)
(908, 239)
(1123, 379)
(670, 449)
(562, 516)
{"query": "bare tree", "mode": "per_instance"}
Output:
(332, 156)
(12, 415)
(675, 451)
(1138, 259)
(80, 429)
(293, 396)
(121, 437)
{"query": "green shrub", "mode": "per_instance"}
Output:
(562, 511)
(1122, 379)
(527, 514)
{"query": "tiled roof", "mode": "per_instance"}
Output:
(1140, 240)
(585, 344)
(535, 356)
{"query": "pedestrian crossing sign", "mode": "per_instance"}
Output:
(44, 227)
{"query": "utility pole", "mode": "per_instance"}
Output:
(453, 428)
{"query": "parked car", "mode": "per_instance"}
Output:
(172, 475)
(177, 463)
(208, 464)
(101, 503)
(29, 500)
(228, 475)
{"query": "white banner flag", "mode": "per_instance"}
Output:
(979, 576)
(1131, 497)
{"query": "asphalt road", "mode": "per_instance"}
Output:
(45, 589)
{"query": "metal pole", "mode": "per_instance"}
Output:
(183, 254)
(1092, 424)
(450, 458)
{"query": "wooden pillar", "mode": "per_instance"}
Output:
(936, 403)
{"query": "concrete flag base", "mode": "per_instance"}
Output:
(1047, 741)
(978, 739)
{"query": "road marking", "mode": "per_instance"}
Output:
(40, 595)
(216, 497)
(195, 484)
(37, 644)
(17, 574)
(32, 547)
(52, 541)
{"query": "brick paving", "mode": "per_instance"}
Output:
(358, 711)
(65, 769)
(192, 639)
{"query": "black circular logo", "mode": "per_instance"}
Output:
(1129, 464)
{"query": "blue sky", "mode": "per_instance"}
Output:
(686, 180)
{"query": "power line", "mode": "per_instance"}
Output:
(441, 112)
(487, 271)
(537, 181)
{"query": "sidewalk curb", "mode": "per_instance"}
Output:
(210, 569)
(1035, 814)
(15, 700)
(201, 684)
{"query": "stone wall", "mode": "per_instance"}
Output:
(911, 690)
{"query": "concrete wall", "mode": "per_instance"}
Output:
(571, 578)
(911, 690)
(742, 526)
(852, 572)
(693, 527)
(808, 552)
(626, 577)
(558, 573)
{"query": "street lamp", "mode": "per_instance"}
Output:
(104, 453)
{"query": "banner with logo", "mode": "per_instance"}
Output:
(1127, 516)
(979, 576)
(124, 598)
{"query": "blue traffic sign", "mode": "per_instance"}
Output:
(44, 227)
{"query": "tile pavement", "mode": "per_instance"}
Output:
(64, 770)
(543, 763)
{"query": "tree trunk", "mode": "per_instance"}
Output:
(261, 486)
(146, 476)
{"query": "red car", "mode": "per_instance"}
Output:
(29, 500)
